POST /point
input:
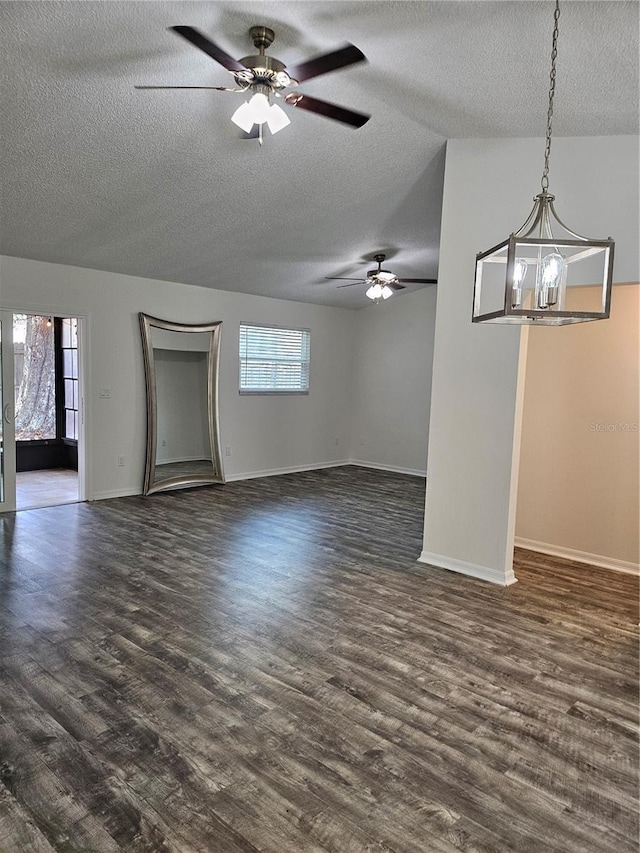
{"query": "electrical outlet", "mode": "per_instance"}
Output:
(227, 450)
(362, 442)
(104, 393)
(120, 461)
(164, 442)
(336, 442)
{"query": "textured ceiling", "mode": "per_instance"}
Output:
(157, 184)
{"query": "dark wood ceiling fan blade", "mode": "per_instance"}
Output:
(324, 108)
(419, 280)
(342, 278)
(210, 48)
(347, 55)
(353, 284)
(213, 88)
(395, 286)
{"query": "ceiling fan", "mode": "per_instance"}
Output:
(382, 283)
(266, 77)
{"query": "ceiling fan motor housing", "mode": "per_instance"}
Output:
(263, 69)
(381, 275)
(385, 276)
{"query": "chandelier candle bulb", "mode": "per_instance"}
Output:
(519, 272)
(551, 271)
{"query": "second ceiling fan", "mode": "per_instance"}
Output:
(266, 77)
(382, 283)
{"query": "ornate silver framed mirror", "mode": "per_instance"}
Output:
(181, 376)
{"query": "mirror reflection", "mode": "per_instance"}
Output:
(181, 369)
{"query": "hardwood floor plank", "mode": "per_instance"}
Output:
(17, 829)
(56, 811)
(440, 764)
(352, 784)
(105, 796)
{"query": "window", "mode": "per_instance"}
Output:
(35, 377)
(274, 360)
(70, 377)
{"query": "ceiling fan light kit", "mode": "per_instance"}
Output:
(259, 111)
(533, 277)
(265, 77)
(382, 283)
(379, 291)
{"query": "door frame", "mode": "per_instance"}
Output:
(83, 318)
(7, 413)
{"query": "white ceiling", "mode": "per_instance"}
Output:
(158, 184)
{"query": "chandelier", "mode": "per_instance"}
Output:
(538, 275)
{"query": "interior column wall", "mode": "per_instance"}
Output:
(488, 191)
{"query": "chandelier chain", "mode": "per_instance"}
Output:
(552, 91)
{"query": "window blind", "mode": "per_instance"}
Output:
(274, 360)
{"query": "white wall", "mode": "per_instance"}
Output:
(392, 382)
(473, 436)
(265, 433)
(578, 490)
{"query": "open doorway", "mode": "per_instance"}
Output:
(46, 410)
(578, 486)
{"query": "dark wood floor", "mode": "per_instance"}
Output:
(264, 666)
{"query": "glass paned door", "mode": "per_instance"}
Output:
(7, 413)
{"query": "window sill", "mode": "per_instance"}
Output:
(273, 393)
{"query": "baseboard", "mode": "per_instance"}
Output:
(199, 458)
(115, 493)
(294, 469)
(579, 556)
(275, 472)
(481, 572)
(394, 469)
